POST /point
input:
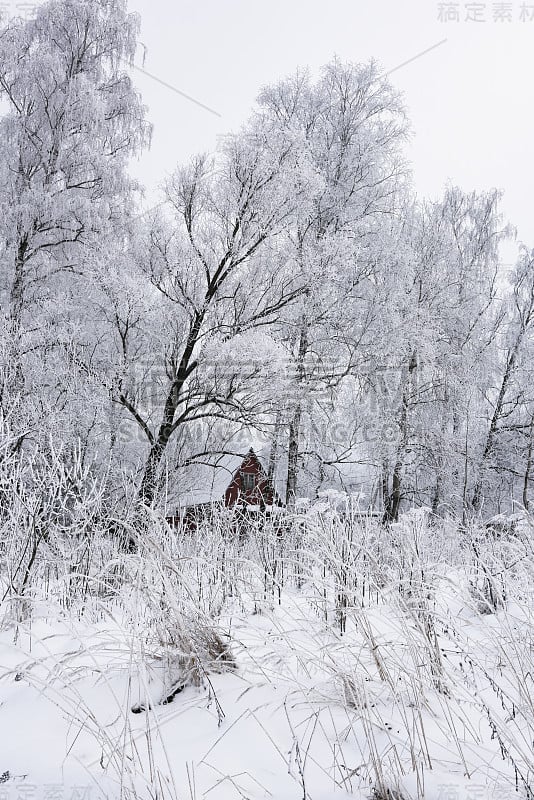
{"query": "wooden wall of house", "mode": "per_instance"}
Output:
(261, 494)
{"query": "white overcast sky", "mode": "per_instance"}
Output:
(470, 99)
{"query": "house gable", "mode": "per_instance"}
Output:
(250, 484)
(233, 480)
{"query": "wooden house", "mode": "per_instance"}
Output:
(233, 480)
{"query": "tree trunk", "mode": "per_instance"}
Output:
(384, 483)
(15, 382)
(436, 498)
(477, 497)
(150, 481)
(528, 468)
(294, 425)
(394, 498)
(273, 455)
(16, 300)
(293, 457)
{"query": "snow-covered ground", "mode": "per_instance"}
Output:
(424, 695)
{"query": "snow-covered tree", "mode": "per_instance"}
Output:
(212, 282)
(506, 442)
(72, 122)
(346, 131)
(442, 330)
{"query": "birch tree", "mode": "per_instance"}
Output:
(73, 121)
(212, 277)
(441, 346)
(347, 130)
(510, 396)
